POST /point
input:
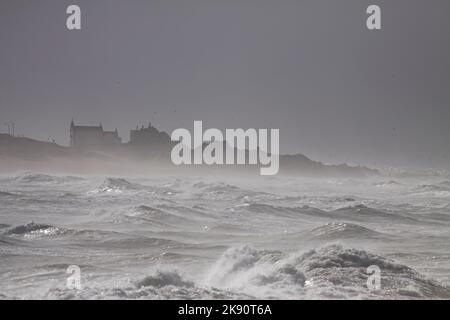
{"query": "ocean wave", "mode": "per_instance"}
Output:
(164, 278)
(224, 191)
(32, 229)
(259, 273)
(146, 211)
(7, 194)
(361, 211)
(340, 230)
(390, 183)
(261, 208)
(116, 185)
(122, 241)
(116, 240)
(92, 238)
(346, 271)
(45, 178)
(5, 297)
(159, 285)
(160, 216)
(120, 185)
(437, 189)
(352, 211)
(215, 187)
(340, 199)
(132, 228)
(328, 272)
(433, 187)
(445, 184)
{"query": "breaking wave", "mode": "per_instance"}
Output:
(91, 238)
(226, 191)
(440, 188)
(328, 272)
(257, 273)
(126, 236)
(160, 285)
(120, 185)
(116, 185)
(34, 229)
(164, 278)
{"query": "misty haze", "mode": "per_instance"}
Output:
(92, 205)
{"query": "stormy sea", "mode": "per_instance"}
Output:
(165, 237)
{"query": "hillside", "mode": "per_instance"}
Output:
(29, 154)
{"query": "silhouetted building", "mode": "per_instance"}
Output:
(148, 136)
(92, 136)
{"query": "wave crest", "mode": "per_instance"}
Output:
(116, 185)
(328, 272)
(164, 278)
(335, 230)
(34, 229)
(45, 178)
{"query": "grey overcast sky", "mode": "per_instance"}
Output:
(337, 91)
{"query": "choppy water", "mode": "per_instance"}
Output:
(179, 238)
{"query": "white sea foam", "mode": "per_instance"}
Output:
(194, 238)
